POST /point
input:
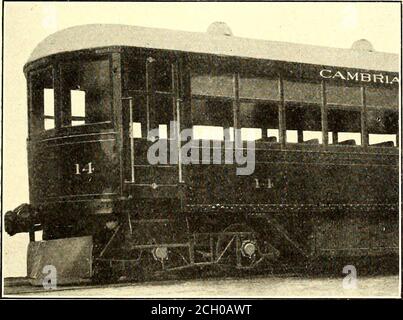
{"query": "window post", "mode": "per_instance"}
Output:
(65, 98)
(30, 112)
(335, 137)
(300, 135)
(116, 81)
(236, 108)
(323, 109)
(364, 130)
(36, 105)
(58, 100)
(175, 99)
(150, 94)
(281, 113)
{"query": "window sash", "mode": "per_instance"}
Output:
(66, 96)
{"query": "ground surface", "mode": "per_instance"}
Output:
(256, 286)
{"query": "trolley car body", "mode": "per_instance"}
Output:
(324, 122)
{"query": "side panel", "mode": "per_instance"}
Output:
(78, 167)
(354, 234)
(310, 179)
(330, 202)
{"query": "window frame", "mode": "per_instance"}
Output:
(346, 108)
(54, 63)
(228, 68)
(262, 141)
(65, 117)
(149, 93)
(282, 103)
(36, 123)
(200, 97)
(363, 109)
(300, 133)
(384, 108)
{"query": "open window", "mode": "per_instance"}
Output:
(383, 127)
(258, 114)
(382, 116)
(49, 108)
(212, 104)
(42, 101)
(344, 126)
(303, 123)
(86, 92)
(210, 116)
(303, 112)
(259, 121)
(344, 114)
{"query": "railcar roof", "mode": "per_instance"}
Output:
(106, 35)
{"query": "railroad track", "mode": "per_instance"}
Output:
(21, 285)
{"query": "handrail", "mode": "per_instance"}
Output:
(131, 135)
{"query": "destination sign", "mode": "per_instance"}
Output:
(359, 76)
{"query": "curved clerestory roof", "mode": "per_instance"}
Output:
(108, 35)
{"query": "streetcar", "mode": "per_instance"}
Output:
(160, 151)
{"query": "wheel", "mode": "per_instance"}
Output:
(161, 249)
(237, 246)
